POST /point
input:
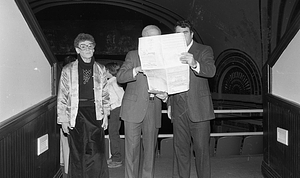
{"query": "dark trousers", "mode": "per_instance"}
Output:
(186, 134)
(114, 124)
(87, 146)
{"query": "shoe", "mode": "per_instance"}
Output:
(109, 161)
(114, 164)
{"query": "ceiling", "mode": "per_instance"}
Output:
(104, 9)
(88, 12)
(237, 24)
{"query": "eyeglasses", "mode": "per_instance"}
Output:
(85, 47)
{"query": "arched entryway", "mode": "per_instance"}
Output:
(237, 73)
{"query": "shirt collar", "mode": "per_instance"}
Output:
(189, 46)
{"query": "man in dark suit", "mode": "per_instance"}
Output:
(191, 111)
(141, 113)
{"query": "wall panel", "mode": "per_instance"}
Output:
(18, 144)
(281, 160)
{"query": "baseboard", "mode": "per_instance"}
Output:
(59, 174)
(268, 172)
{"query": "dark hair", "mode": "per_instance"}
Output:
(184, 24)
(83, 37)
(113, 68)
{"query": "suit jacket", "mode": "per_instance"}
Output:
(136, 98)
(198, 97)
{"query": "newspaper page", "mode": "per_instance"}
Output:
(160, 62)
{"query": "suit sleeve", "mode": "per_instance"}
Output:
(207, 63)
(125, 73)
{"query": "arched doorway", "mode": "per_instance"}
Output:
(237, 73)
(237, 81)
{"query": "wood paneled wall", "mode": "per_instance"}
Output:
(281, 160)
(18, 144)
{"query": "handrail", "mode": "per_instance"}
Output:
(227, 111)
(211, 134)
(230, 111)
(238, 111)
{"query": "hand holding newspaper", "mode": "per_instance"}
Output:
(160, 62)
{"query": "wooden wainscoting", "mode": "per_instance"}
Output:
(281, 160)
(18, 143)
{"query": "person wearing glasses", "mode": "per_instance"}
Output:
(191, 111)
(82, 110)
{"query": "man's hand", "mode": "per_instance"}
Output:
(65, 127)
(105, 123)
(138, 69)
(188, 58)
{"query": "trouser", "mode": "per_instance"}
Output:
(114, 124)
(132, 147)
(87, 146)
(185, 134)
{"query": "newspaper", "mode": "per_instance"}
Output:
(160, 62)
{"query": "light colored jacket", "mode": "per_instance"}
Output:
(68, 100)
(68, 93)
(116, 93)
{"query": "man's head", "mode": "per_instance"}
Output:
(151, 30)
(185, 27)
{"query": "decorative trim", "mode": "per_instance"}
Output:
(36, 30)
(284, 41)
(19, 120)
(237, 70)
